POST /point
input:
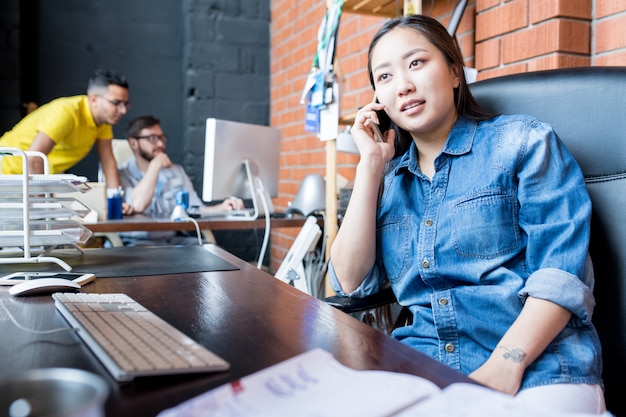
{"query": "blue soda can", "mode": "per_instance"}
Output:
(182, 199)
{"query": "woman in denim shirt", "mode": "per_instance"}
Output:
(479, 222)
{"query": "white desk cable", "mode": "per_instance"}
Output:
(14, 320)
(198, 232)
(266, 237)
(179, 214)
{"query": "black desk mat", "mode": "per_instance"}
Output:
(129, 261)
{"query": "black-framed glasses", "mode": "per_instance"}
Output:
(117, 103)
(153, 138)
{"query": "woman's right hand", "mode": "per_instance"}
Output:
(364, 135)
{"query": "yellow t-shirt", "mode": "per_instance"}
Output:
(68, 122)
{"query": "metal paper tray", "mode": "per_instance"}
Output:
(43, 233)
(39, 184)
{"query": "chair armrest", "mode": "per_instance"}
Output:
(354, 305)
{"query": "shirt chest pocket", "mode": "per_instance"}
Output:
(486, 225)
(394, 236)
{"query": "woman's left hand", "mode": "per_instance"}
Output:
(500, 374)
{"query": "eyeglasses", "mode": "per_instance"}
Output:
(153, 138)
(117, 103)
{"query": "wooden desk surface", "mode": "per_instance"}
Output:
(140, 222)
(246, 316)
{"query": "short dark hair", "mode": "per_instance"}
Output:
(138, 124)
(103, 78)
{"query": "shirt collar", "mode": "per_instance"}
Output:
(459, 142)
(86, 110)
(461, 137)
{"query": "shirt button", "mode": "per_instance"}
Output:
(449, 347)
(425, 263)
(443, 301)
(429, 222)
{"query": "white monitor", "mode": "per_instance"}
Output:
(238, 157)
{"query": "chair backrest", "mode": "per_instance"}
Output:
(122, 152)
(587, 108)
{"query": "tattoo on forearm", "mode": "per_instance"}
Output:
(514, 354)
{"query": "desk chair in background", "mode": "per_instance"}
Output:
(587, 108)
(121, 152)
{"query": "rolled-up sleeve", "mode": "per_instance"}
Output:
(368, 286)
(564, 289)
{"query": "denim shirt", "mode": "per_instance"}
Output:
(505, 216)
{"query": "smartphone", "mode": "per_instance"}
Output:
(17, 277)
(384, 124)
(385, 121)
(380, 128)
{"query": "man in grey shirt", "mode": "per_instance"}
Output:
(151, 181)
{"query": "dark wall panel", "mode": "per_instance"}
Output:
(142, 39)
(186, 60)
(10, 98)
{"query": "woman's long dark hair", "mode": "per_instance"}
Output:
(436, 34)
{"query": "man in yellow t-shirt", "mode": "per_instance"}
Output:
(65, 129)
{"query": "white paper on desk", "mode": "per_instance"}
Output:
(469, 400)
(312, 384)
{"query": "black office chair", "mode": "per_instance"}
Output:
(587, 108)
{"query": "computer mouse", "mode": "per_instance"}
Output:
(43, 286)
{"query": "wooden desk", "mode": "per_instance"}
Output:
(246, 316)
(139, 222)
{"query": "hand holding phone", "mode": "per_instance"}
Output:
(383, 125)
(378, 136)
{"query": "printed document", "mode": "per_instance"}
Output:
(315, 384)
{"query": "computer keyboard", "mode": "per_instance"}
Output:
(247, 212)
(130, 340)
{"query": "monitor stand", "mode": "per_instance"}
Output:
(261, 199)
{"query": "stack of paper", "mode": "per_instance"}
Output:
(311, 384)
(314, 384)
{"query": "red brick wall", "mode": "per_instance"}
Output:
(496, 36)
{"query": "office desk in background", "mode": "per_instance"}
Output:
(246, 316)
(139, 222)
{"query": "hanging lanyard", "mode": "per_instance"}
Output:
(326, 37)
